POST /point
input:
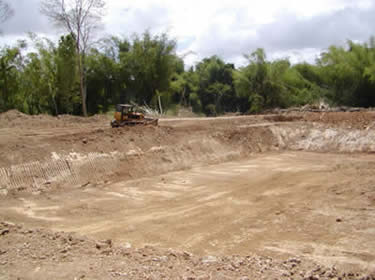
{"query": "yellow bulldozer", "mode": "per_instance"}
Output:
(127, 114)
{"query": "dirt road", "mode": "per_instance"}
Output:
(276, 187)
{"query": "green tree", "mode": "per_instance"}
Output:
(216, 86)
(104, 82)
(347, 72)
(9, 77)
(152, 64)
(265, 84)
(79, 18)
(67, 82)
(39, 84)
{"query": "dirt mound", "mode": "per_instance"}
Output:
(70, 119)
(11, 115)
(16, 119)
(41, 254)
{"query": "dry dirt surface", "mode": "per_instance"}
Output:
(289, 196)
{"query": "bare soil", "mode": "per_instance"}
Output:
(252, 197)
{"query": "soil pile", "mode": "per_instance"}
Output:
(16, 119)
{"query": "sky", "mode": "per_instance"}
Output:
(297, 29)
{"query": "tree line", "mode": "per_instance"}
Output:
(146, 70)
(74, 76)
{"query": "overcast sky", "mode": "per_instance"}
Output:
(298, 29)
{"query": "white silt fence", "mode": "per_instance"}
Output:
(67, 170)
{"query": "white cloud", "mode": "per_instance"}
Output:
(228, 28)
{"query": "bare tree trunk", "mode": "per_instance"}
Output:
(183, 99)
(6, 95)
(85, 93)
(82, 90)
(160, 107)
(55, 104)
(53, 99)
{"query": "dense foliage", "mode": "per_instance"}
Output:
(147, 70)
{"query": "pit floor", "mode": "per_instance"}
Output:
(317, 205)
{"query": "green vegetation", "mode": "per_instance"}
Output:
(147, 70)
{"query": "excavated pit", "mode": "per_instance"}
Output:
(132, 159)
(230, 186)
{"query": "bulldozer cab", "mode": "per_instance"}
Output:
(124, 108)
(126, 114)
(126, 111)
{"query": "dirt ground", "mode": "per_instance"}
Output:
(287, 196)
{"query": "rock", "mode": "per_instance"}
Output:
(84, 141)
(99, 245)
(203, 277)
(294, 260)
(85, 184)
(172, 253)
(312, 277)
(63, 251)
(209, 259)
(4, 231)
(106, 251)
(187, 255)
(4, 192)
(339, 220)
(163, 258)
(8, 224)
(109, 242)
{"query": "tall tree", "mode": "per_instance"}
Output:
(80, 18)
(67, 93)
(215, 85)
(39, 84)
(262, 82)
(347, 72)
(152, 62)
(8, 76)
